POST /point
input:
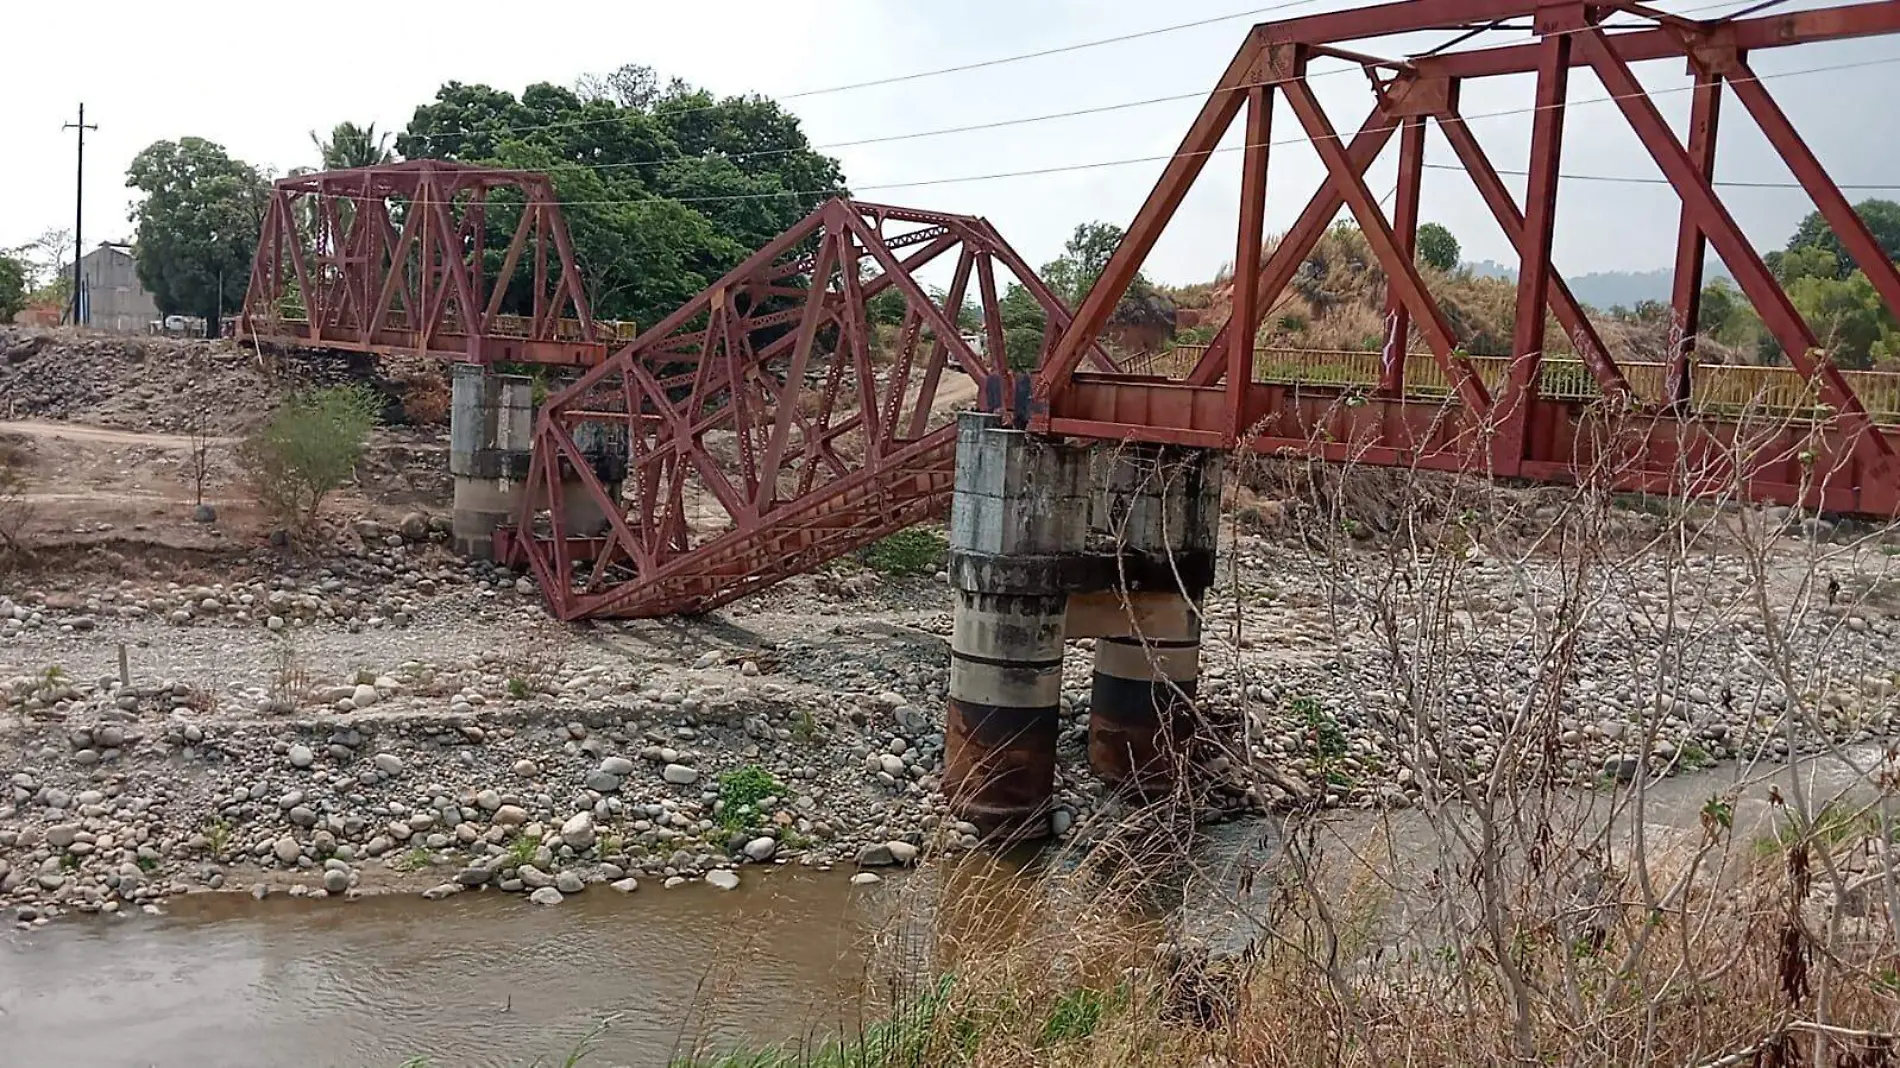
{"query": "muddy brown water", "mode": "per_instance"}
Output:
(486, 980)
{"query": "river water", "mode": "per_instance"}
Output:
(486, 980)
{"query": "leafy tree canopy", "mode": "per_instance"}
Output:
(197, 225)
(13, 274)
(1882, 218)
(664, 188)
(350, 145)
(1437, 247)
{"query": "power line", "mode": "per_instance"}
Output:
(895, 79)
(1129, 161)
(502, 131)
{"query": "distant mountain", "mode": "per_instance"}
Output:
(1605, 289)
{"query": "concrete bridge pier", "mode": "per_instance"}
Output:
(605, 446)
(1159, 509)
(1018, 524)
(491, 424)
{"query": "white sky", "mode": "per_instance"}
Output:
(258, 78)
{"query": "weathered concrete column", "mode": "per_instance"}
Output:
(605, 446)
(1161, 509)
(491, 423)
(1017, 522)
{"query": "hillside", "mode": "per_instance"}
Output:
(1337, 301)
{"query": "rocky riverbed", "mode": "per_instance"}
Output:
(389, 718)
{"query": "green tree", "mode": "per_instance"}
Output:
(1083, 260)
(197, 226)
(1883, 220)
(1437, 247)
(1853, 324)
(13, 280)
(350, 145)
(664, 188)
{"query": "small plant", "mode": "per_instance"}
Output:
(365, 677)
(416, 860)
(804, 727)
(146, 864)
(1693, 757)
(523, 849)
(518, 688)
(290, 684)
(69, 861)
(1323, 733)
(908, 552)
(217, 836)
(1076, 1016)
(740, 793)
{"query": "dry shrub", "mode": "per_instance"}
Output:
(16, 513)
(426, 396)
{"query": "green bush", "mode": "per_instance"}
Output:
(915, 551)
(309, 447)
(740, 793)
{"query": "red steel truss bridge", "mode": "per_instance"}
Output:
(771, 427)
(392, 259)
(766, 434)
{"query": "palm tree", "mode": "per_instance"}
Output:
(350, 145)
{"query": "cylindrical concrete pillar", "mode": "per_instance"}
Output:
(491, 421)
(1141, 704)
(1018, 517)
(1005, 706)
(1160, 506)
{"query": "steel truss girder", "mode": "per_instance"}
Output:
(766, 433)
(393, 259)
(1841, 459)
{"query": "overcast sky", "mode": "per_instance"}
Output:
(258, 78)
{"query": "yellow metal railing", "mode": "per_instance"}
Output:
(1713, 387)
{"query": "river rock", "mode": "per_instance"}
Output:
(61, 835)
(723, 879)
(569, 883)
(680, 774)
(533, 878)
(620, 767)
(602, 782)
(510, 816)
(301, 756)
(287, 850)
(437, 893)
(866, 878)
(547, 895)
(388, 763)
(625, 886)
(363, 696)
(887, 855)
(761, 849)
(336, 881)
(578, 832)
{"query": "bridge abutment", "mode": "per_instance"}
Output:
(1051, 541)
(491, 423)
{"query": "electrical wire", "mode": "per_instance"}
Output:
(1133, 160)
(504, 131)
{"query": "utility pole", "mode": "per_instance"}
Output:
(79, 206)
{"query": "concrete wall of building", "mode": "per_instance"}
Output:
(118, 302)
